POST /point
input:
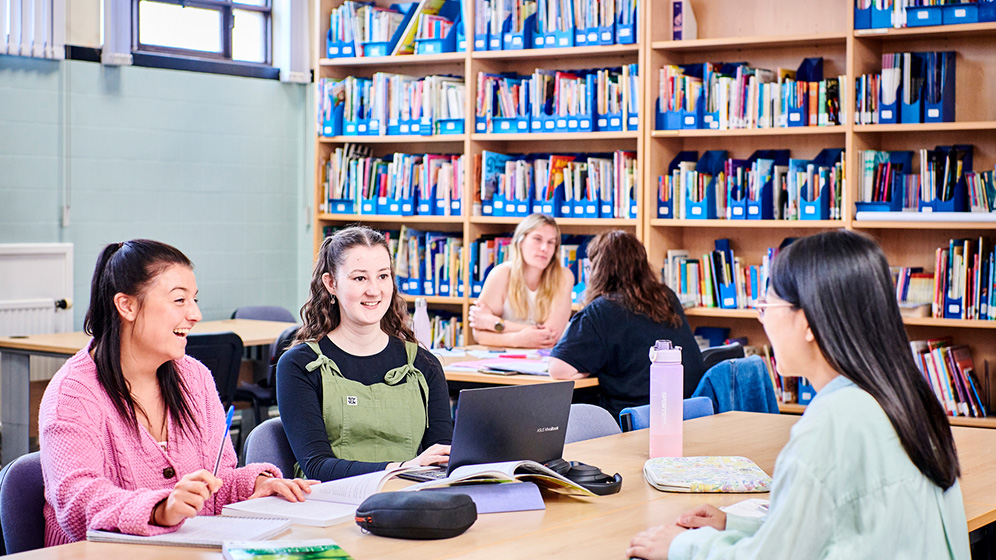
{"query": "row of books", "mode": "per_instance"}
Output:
(769, 185)
(950, 371)
(717, 279)
(391, 104)
(560, 185)
(965, 280)
(913, 87)
(429, 263)
(558, 101)
(446, 330)
(872, 14)
(525, 24)
(355, 182)
(363, 29)
(945, 183)
(737, 96)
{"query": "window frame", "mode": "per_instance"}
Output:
(227, 10)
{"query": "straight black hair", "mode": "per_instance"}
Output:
(128, 268)
(841, 281)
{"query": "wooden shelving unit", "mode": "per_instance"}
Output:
(754, 31)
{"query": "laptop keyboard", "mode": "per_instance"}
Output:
(436, 473)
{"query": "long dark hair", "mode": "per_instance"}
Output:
(129, 268)
(619, 270)
(320, 315)
(841, 281)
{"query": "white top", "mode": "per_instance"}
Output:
(509, 315)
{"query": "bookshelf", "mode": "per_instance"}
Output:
(764, 33)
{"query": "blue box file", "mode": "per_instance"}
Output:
(396, 207)
(862, 18)
(626, 32)
(881, 18)
(368, 206)
(800, 116)
(633, 121)
(632, 210)
(806, 391)
(553, 39)
(487, 207)
(961, 13)
(606, 208)
(341, 206)
(543, 123)
(911, 113)
(727, 295)
(762, 208)
(339, 49)
(446, 44)
(703, 209)
(543, 207)
(895, 204)
(481, 41)
(359, 127)
(942, 109)
(986, 10)
(333, 125)
(608, 121)
(450, 126)
(922, 16)
(425, 206)
(461, 38)
(514, 41)
(480, 124)
(494, 42)
(376, 48)
(581, 37)
(958, 201)
(510, 125)
(666, 209)
(889, 113)
(818, 209)
(606, 35)
(952, 307)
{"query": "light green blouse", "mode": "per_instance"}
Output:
(843, 488)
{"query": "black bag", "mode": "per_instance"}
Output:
(417, 515)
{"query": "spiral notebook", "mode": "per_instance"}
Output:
(706, 474)
(203, 531)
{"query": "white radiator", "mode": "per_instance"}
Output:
(28, 316)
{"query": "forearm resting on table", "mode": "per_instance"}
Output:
(560, 369)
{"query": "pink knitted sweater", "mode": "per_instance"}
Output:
(100, 474)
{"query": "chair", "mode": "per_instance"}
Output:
(739, 384)
(22, 497)
(715, 354)
(262, 394)
(268, 444)
(588, 421)
(264, 313)
(638, 417)
(222, 354)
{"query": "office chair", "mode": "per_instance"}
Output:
(638, 417)
(715, 354)
(588, 421)
(262, 394)
(264, 313)
(267, 443)
(22, 497)
(222, 354)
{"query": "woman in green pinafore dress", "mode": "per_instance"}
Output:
(356, 393)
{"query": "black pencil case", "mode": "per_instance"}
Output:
(416, 515)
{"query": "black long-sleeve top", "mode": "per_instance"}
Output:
(299, 394)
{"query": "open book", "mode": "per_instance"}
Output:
(202, 531)
(509, 471)
(504, 366)
(328, 503)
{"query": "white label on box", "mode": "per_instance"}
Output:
(728, 302)
(573, 123)
(548, 125)
(347, 50)
(517, 41)
(738, 211)
(333, 50)
(810, 209)
(689, 119)
(406, 207)
(549, 40)
(478, 44)
(665, 210)
(523, 208)
(444, 289)
(616, 121)
(562, 123)
(480, 127)
(696, 210)
(585, 123)
(404, 128)
(607, 36)
(563, 41)
(362, 128)
(886, 113)
(428, 287)
(954, 309)
(455, 204)
(634, 121)
(960, 12)
(602, 122)
(522, 125)
(565, 210)
(933, 113)
(327, 131)
(592, 37)
(794, 117)
(340, 207)
(926, 209)
(499, 204)
(624, 32)
(922, 14)
(505, 125)
(752, 210)
(451, 126)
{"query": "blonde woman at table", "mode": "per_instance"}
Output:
(526, 301)
(129, 426)
(870, 470)
(356, 392)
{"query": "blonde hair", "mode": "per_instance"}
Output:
(549, 279)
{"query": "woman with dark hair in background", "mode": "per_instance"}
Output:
(870, 470)
(356, 392)
(627, 310)
(129, 424)
(526, 300)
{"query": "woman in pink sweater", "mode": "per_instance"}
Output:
(129, 425)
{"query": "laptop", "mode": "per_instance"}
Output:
(507, 423)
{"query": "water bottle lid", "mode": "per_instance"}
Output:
(421, 303)
(664, 351)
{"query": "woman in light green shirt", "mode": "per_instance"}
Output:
(870, 470)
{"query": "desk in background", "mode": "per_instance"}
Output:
(474, 378)
(15, 369)
(594, 527)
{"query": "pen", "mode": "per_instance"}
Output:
(523, 356)
(221, 448)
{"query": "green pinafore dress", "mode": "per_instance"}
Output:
(373, 423)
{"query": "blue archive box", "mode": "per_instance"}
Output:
(451, 11)
(986, 10)
(626, 32)
(888, 113)
(666, 209)
(368, 206)
(881, 18)
(553, 39)
(340, 206)
(711, 163)
(810, 70)
(912, 113)
(385, 48)
(736, 207)
(727, 292)
(762, 207)
(333, 125)
(518, 40)
(806, 391)
(461, 46)
(426, 206)
(818, 209)
(340, 49)
(960, 13)
(608, 121)
(482, 41)
(450, 126)
(956, 201)
(898, 191)
(862, 17)
(939, 98)
(923, 16)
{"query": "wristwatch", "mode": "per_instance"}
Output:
(499, 326)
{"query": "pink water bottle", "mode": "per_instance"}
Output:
(666, 395)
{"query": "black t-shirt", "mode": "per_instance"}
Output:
(612, 343)
(299, 394)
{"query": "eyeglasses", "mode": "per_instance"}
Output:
(761, 306)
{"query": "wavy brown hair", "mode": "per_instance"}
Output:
(549, 278)
(620, 271)
(320, 316)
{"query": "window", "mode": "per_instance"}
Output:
(224, 30)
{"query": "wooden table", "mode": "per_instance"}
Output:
(15, 369)
(595, 527)
(479, 378)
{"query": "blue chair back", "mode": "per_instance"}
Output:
(588, 421)
(264, 313)
(268, 444)
(638, 417)
(22, 499)
(739, 384)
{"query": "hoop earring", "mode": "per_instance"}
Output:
(333, 299)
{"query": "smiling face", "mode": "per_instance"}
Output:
(538, 246)
(363, 286)
(161, 318)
